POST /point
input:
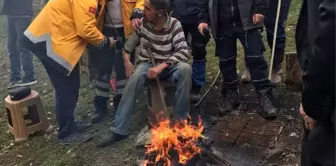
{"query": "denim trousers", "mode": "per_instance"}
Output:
(18, 54)
(180, 74)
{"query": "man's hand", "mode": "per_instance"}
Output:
(201, 27)
(112, 42)
(309, 122)
(136, 23)
(129, 67)
(155, 71)
(258, 18)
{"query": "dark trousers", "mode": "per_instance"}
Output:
(102, 63)
(226, 50)
(19, 55)
(318, 146)
(66, 89)
(270, 19)
(198, 51)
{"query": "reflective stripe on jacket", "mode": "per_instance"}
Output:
(67, 26)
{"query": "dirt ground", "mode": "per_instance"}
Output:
(42, 149)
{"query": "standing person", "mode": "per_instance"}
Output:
(315, 43)
(58, 37)
(280, 45)
(118, 20)
(164, 36)
(243, 20)
(19, 15)
(186, 11)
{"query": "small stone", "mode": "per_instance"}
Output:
(69, 151)
(19, 156)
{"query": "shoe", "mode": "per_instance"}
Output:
(195, 97)
(27, 82)
(195, 94)
(75, 138)
(232, 101)
(246, 77)
(276, 77)
(97, 118)
(82, 127)
(12, 84)
(100, 105)
(111, 139)
(267, 109)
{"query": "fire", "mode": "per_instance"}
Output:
(180, 138)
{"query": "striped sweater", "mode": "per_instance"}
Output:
(167, 45)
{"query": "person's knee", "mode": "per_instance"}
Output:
(256, 61)
(184, 69)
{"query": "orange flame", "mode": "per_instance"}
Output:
(181, 137)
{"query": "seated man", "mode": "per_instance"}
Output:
(164, 36)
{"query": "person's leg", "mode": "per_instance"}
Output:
(26, 58)
(14, 56)
(254, 57)
(121, 78)
(180, 75)
(198, 51)
(134, 87)
(226, 49)
(104, 67)
(66, 94)
(270, 20)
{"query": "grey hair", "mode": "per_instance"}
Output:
(160, 4)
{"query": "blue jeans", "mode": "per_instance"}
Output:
(180, 74)
(17, 52)
(270, 18)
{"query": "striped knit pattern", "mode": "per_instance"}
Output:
(167, 45)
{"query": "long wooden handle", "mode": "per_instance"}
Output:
(275, 33)
(158, 82)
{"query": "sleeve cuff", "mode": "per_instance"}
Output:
(105, 44)
(137, 13)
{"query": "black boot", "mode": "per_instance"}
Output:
(116, 101)
(110, 139)
(267, 109)
(232, 101)
(195, 95)
(100, 104)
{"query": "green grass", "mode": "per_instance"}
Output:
(47, 152)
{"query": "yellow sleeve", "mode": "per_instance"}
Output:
(84, 13)
(138, 9)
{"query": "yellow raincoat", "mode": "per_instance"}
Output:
(67, 26)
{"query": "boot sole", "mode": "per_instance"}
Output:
(79, 142)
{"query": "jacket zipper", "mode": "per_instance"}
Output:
(232, 13)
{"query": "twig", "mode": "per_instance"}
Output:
(213, 83)
(277, 137)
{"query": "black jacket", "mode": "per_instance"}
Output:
(185, 10)
(17, 7)
(208, 13)
(315, 42)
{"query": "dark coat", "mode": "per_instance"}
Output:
(315, 42)
(209, 13)
(17, 7)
